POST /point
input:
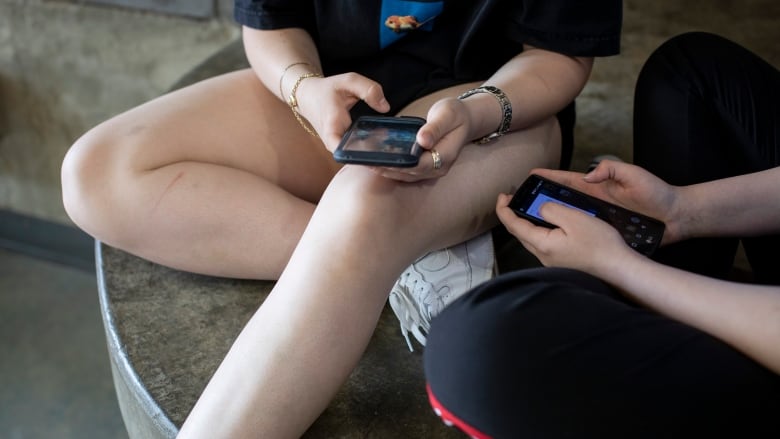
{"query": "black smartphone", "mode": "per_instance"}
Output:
(640, 232)
(381, 141)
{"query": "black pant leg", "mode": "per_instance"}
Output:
(553, 353)
(707, 108)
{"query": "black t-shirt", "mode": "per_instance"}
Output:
(414, 48)
(468, 40)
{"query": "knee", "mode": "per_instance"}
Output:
(477, 359)
(363, 201)
(77, 175)
(681, 56)
(694, 43)
(506, 314)
(469, 338)
(86, 182)
(495, 349)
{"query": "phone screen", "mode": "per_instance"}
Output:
(639, 231)
(372, 135)
(542, 198)
(381, 141)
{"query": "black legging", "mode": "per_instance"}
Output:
(705, 109)
(550, 353)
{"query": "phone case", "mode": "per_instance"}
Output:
(381, 141)
(641, 232)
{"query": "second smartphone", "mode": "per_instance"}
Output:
(642, 233)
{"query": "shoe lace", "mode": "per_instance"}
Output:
(410, 290)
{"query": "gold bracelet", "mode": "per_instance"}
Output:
(293, 103)
(284, 72)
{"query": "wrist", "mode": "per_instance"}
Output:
(290, 75)
(293, 103)
(485, 112)
(629, 261)
(682, 220)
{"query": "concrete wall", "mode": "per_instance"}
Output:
(65, 66)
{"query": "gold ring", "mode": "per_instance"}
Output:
(436, 159)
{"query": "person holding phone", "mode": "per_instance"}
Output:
(604, 341)
(234, 176)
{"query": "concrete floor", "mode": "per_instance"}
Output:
(54, 364)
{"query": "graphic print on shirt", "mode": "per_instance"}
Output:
(399, 17)
(404, 23)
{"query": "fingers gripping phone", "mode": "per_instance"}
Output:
(642, 233)
(381, 141)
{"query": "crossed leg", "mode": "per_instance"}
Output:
(218, 178)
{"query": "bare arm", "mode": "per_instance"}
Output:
(271, 51)
(280, 57)
(745, 316)
(746, 205)
(539, 83)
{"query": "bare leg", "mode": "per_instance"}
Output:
(217, 178)
(298, 349)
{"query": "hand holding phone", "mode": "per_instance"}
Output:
(381, 141)
(640, 232)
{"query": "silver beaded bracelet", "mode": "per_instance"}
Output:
(506, 110)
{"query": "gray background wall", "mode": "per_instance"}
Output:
(67, 65)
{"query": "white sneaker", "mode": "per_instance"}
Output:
(436, 280)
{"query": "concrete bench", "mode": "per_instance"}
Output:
(168, 331)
